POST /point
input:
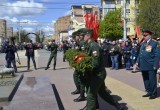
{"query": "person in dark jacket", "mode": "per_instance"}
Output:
(10, 55)
(127, 55)
(30, 48)
(114, 52)
(65, 48)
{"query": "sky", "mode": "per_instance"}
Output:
(32, 15)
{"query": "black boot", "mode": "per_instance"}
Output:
(77, 91)
(47, 68)
(1, 108)
(54, 67)
(80, 98)
(119, 106)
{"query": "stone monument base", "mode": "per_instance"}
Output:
(8, 87)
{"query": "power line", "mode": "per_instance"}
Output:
(34, 7)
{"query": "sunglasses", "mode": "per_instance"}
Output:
(145, 35)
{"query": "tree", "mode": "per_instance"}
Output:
(23, 36)
(37, 38)
(149, 16)
(111, 26)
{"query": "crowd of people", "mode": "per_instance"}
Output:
(142, 56)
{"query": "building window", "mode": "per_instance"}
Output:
(109, 2)
(137, 11)
(118, 2)
(127, 10)
(128, 20)
(137, 2)
(128, 29)
(127, 2)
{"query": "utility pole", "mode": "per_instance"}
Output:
(124, 18)
(19, 33)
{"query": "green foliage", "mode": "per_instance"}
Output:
(111, 26)
(24, 38)
(37, 39)
(149, 16)
(84, 65)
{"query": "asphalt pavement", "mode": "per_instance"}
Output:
(126, 87)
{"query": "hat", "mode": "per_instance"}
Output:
(81, 31)
(147, 31)
(53, 40)
(88, 31)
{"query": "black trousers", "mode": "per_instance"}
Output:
(33, 60)
(150, 81)
(9, 61)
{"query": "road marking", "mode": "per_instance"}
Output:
(132, 96)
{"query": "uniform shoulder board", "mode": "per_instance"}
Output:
(154, 40)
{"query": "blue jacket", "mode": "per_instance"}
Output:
(148, 56)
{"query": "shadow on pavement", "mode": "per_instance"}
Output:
(106, 106)
(25, 71)
(22, 67)
(158, 91)
(59, 102)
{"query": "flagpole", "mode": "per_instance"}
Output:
(124, 18)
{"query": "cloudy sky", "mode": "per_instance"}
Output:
(37, 14)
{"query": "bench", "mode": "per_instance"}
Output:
(6, 71)
(34, 93)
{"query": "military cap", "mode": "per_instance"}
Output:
(81, 31)
(147, 31)
(88, 31)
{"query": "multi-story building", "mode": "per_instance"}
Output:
(9, 32)
(62, 25)
(3, 32)
(78, 13)
(131, 12)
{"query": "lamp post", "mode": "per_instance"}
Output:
(124, 18)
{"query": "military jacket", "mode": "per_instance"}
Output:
(148, 56)
(53, 47)
(97, 57)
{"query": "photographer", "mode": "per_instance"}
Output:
(30, 48)
(10, 51)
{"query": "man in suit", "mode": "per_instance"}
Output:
(148, 63)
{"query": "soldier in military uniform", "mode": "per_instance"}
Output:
(95, 79)
(77, 76)
(148, 63)
(53, 47)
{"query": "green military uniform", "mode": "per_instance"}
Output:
(53, 47)
(95, 79)
(77, 76)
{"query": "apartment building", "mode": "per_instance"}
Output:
(9, 32)
(78, 13)
(131, 12)
(3, 32)
(62, 25)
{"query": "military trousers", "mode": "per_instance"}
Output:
(52, 56)
(95, 85)
(79, 80)
(150, 82)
